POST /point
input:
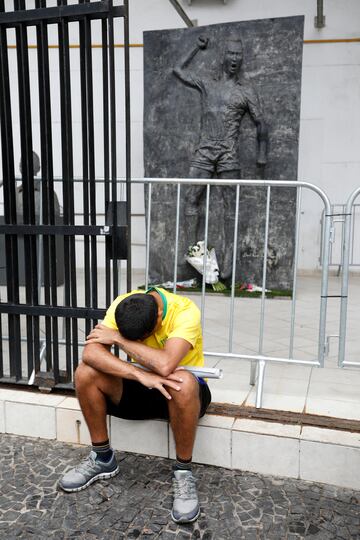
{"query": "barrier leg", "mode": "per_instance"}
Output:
(253, 367)
(260, 384)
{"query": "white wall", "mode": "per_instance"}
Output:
(330, 107)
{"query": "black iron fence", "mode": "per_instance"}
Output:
(47, 304)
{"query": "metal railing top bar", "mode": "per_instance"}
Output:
(261, 357)
(56, 14)
(234, 182)
(345, 279)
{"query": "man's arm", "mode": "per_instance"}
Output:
(180, 71)
(100, 358)
(263, 141)
(161, 361)
(257, 116)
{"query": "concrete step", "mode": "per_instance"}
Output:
(270, 448)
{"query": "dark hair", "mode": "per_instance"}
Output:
(136, 316)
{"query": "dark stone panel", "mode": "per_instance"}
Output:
(271, 65)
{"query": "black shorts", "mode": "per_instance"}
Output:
(141, 403)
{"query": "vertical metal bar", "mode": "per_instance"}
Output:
(176, 235)
(262, 315)
(91, 156)
(296, 260)
(233, 277)
(253, 369)
(324, 285)
(49, 250)
(148, 226)
(11, 245)
(207, 205)
(105, 73)
(331, 243)
(71, 202)
(127, 142)
(322, 237)
(344, 290)
(342, 240)
(1, 344)
(262, 363)
(85, 168)
(353, 223)
(113, 148)
(349, 216)
(66, 147)
(30, 247)
(260, 384)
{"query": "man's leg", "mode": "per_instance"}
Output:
(192, 200)
(184, 409)
(92, 388)
(229, 216)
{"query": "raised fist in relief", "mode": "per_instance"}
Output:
(202, 42)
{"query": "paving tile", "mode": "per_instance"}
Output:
(31, 420)
(136, 503)
(332, 436)
(212, 445)
(335, 390)
(71, 426)
(333, 408)
(35, 398)
(267, 428)
(330, 463)
(265, 454)
(70, 403)
(336, 375)
(2, 417)
(282, 394)
(212, 420)
(141, 436)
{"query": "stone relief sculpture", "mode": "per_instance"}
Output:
(225, 98)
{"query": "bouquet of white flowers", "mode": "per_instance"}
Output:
(195, 257)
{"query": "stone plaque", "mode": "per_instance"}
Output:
(223, 101)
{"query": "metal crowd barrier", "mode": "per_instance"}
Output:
(259, 360)
(347, 248)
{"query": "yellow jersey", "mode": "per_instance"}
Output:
(181, 318)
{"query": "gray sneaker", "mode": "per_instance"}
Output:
(89, 470)
(186, 503)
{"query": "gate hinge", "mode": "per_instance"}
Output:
(105, 230)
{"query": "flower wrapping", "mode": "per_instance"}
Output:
(195, 257)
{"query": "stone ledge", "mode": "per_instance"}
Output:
(308, 453)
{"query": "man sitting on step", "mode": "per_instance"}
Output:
(161, 332)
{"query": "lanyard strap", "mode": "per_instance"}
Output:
(163, 298)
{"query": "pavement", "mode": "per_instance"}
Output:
(136, 503)
(328, 391)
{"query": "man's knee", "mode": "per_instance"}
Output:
(189, 388)
(84, 375)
